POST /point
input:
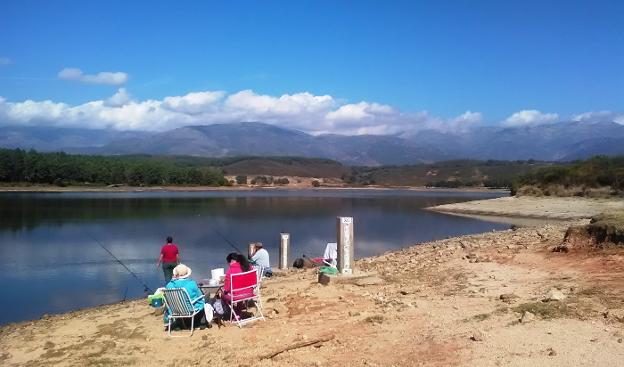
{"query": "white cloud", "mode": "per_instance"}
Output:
(469, 118)
(286, 105)
(304, 111)
(360, 111)
(105, 77)
(5, 61)
(119, 99)
(465, 121)
(530, 117)
(599, 116)
(193, 103)
(314, 114)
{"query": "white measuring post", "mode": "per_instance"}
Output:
(283, 255)
(346, 244)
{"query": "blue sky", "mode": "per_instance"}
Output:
(495, 58)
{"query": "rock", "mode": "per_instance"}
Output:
(477, 336)
(551, 352)
(508, 297)
(554, 295)
(324, 279)
(368, 281)
(620, 340)
(527, 317)
(561, 248)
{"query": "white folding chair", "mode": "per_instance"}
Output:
(180, 306)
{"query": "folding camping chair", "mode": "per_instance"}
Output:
(180, 306)
(244, 288)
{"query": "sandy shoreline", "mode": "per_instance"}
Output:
(567, 208)
(457, 301)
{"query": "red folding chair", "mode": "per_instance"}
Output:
(244, 289)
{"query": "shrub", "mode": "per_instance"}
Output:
(241, 180)
(316, 183)
(262, 180)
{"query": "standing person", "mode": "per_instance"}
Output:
(169, 257)
(260, 259)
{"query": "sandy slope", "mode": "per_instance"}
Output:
(436, 304)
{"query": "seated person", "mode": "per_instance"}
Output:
(238, 264)
(181, 279)
(331, 254)
(260, 259)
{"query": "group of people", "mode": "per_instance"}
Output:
(177, 275)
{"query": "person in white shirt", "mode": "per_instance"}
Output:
(331, 254)
(260, 259)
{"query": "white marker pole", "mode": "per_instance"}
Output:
(284, 245)
(346, 244)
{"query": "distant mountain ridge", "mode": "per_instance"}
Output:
(553, 142)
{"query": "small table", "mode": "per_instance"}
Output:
(207, 289)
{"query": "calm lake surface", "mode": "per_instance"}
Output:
(50, 261)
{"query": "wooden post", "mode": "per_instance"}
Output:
(284, 245)
(346, 244)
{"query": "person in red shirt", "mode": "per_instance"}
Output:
(169, 257)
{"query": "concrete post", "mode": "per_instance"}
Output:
(283, 255)
(346, 244)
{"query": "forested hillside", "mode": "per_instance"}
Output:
(19, 166)
(596, 176)
(451, 174)
(526, 177)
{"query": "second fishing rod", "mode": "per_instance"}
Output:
(232, 245)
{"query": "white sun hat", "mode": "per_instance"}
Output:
(181, 272)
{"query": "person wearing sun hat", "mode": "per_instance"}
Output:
(181, 279)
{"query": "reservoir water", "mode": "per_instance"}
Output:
(51, 262)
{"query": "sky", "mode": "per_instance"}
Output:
(350, 67)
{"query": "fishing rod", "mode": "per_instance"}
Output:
(226, 240)
(146, 288)
(230, 243)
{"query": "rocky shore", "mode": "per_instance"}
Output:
(493, 299)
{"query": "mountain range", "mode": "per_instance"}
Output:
(553, 142)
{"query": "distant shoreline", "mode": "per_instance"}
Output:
(50, 188)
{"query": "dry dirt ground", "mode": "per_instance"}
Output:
(563, 208)
(434, 304)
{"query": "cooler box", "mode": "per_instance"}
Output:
(156, 300)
